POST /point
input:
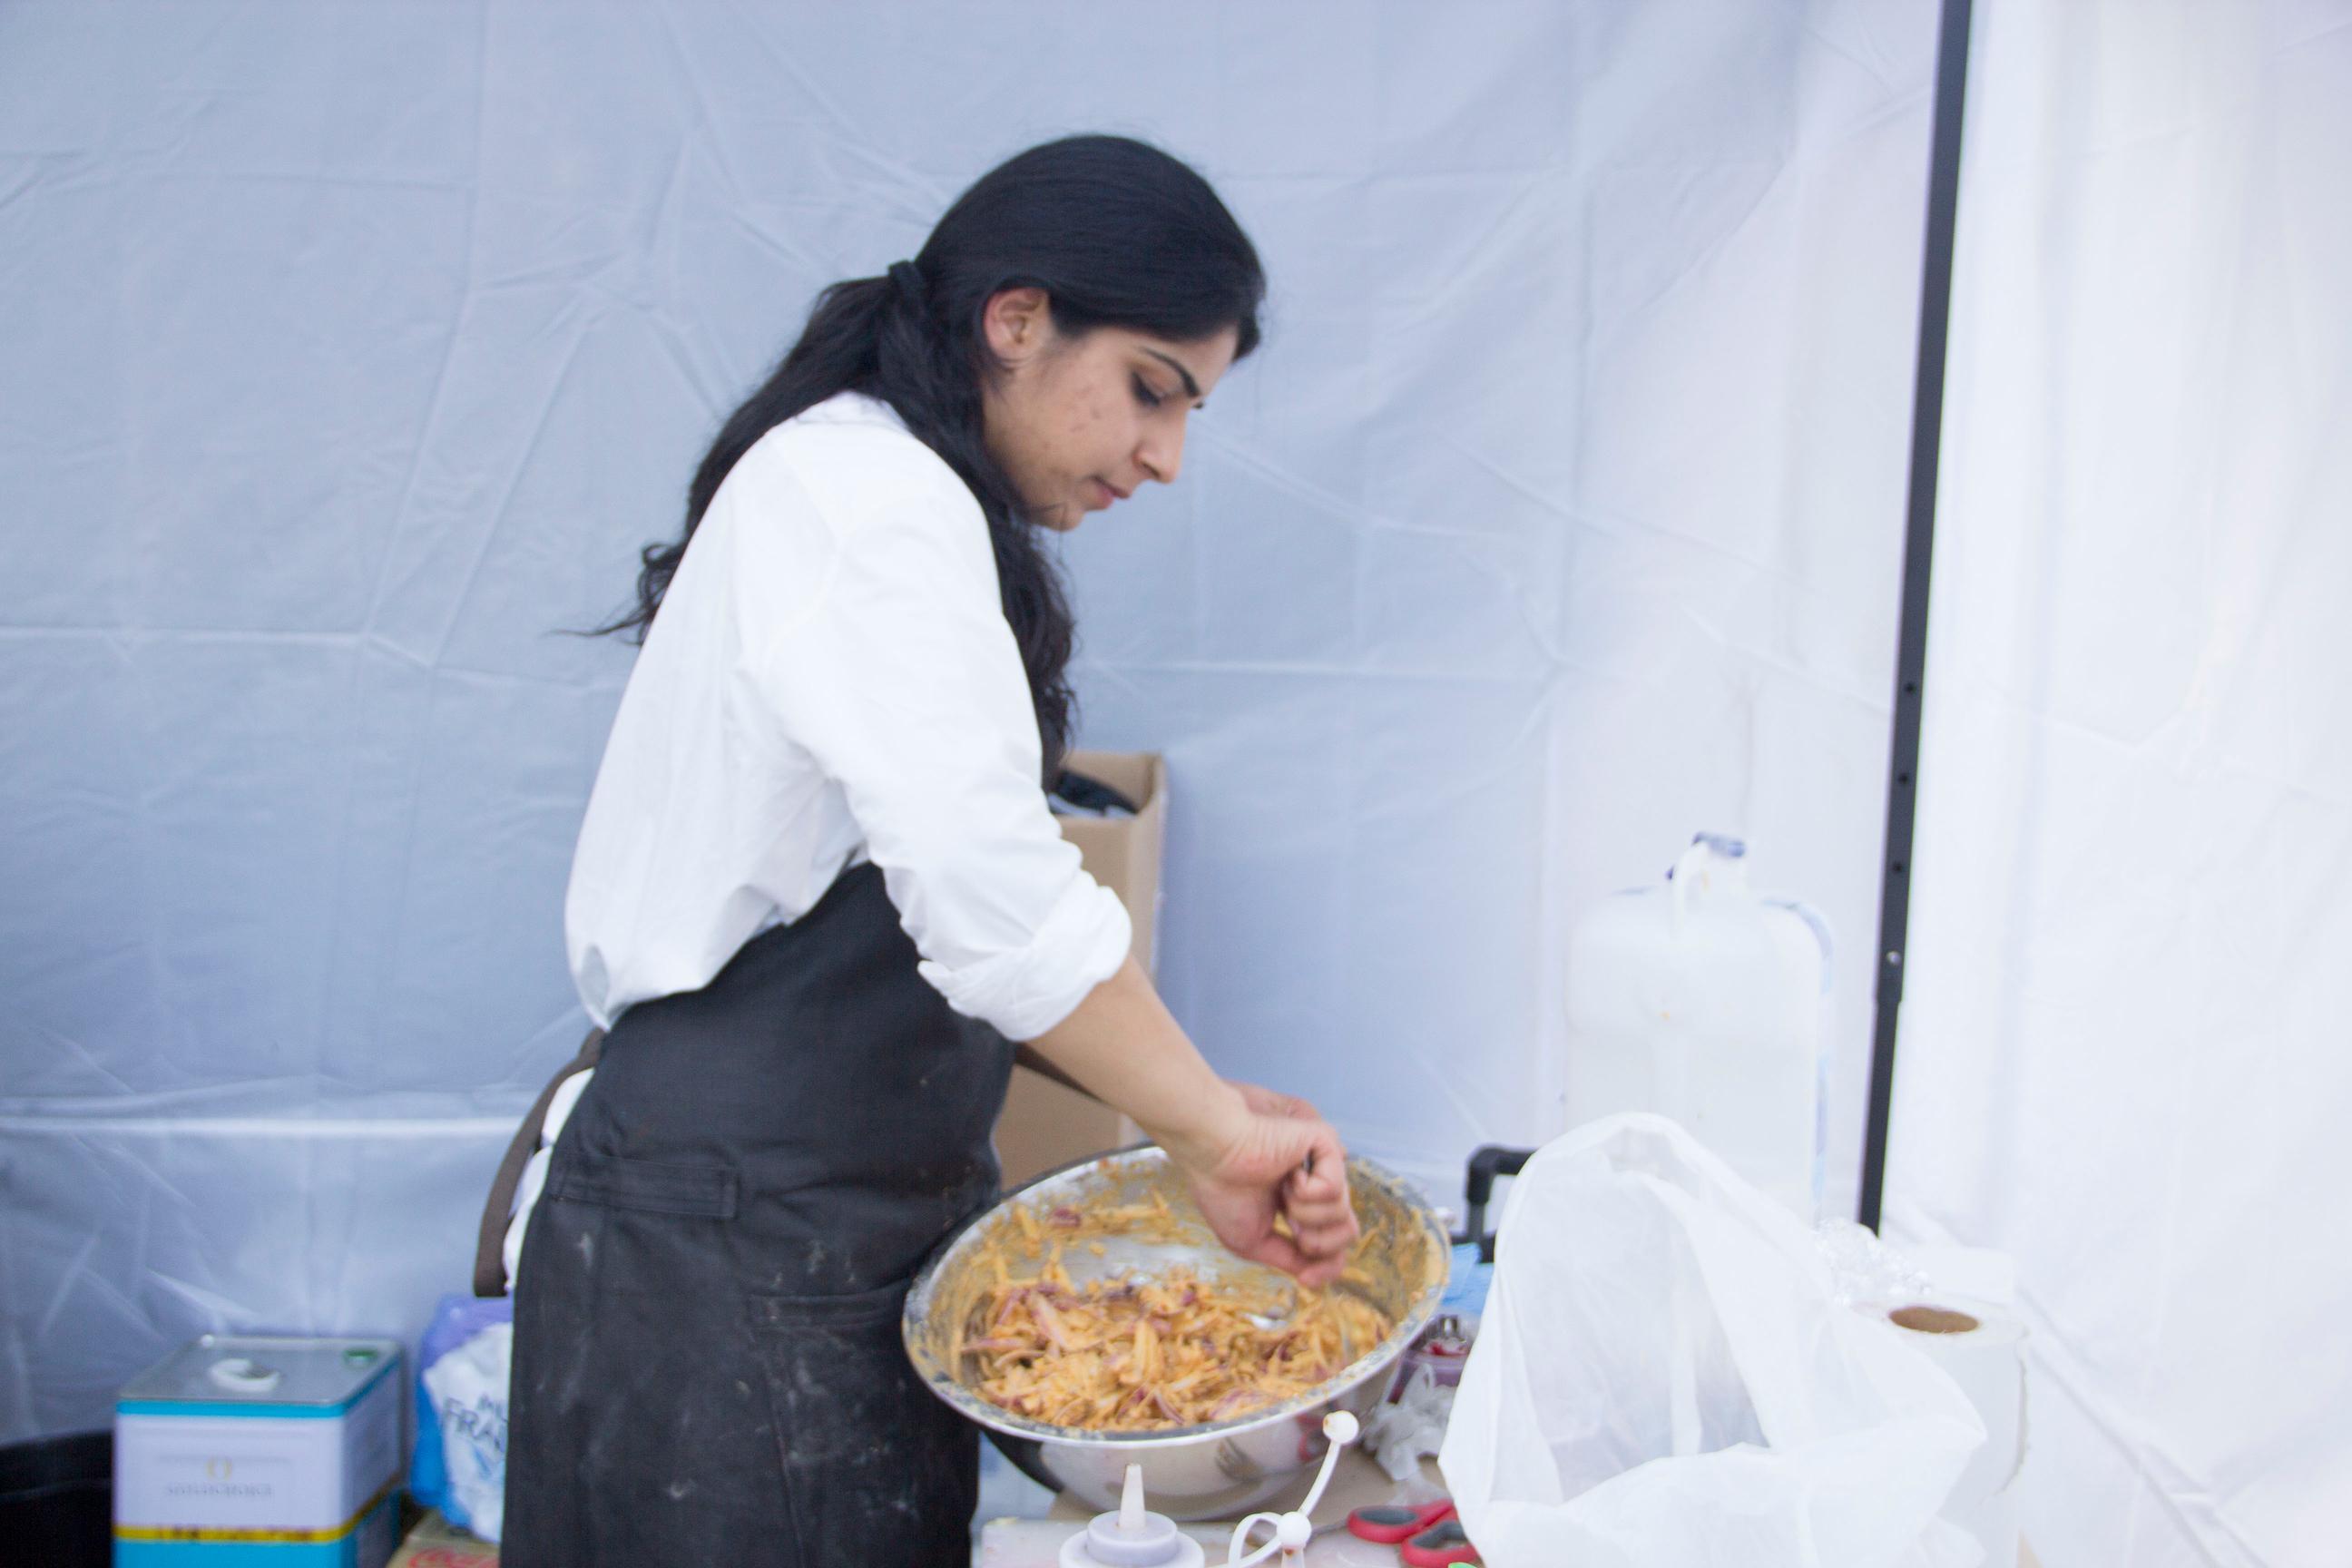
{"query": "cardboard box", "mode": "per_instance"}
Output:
(437, 1544)
(1046, 1125)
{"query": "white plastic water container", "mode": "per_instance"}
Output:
(252, 1451)
(1705, 1003)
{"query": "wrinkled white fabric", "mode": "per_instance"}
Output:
(1558, 516)
(2123, 1039)
(831, 679)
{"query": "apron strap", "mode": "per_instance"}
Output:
(497, 1209)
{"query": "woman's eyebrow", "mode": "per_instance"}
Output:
(1190, 386)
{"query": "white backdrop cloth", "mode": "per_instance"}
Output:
(353, 350)
(2124, 1038)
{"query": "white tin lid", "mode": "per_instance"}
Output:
(252, 1370)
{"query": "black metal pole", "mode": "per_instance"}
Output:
(1918, 552)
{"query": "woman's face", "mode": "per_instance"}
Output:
(1077, 423)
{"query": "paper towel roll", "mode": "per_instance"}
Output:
(1982, 1347)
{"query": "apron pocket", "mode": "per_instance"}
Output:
(872, 1461)
(621, 1228)
(618, 1181)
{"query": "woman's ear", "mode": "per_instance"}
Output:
(1017, 324)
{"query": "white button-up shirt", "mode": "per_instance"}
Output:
(831, 679)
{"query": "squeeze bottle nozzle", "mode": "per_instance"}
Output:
(1133, 1537)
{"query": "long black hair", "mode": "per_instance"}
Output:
(1116, 233)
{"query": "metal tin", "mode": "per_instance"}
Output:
(260, 1450)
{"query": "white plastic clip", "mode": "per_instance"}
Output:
(1293, 1530)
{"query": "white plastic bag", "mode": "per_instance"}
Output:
(462, 1368)
(1665, 1377)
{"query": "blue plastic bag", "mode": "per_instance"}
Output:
(462, 1366)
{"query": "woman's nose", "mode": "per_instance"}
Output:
(1162, 454)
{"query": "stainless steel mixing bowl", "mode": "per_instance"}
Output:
(1190, 1472)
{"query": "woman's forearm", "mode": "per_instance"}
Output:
(1122, 1047)
(1252, 1157)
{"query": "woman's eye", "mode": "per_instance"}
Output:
(1145, 395)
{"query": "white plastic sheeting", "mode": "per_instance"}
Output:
(2124, 1040)
(353, 350)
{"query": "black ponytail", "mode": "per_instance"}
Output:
(1116, 233)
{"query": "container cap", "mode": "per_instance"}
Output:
(252, 1370)
(1132, 1536)
(1153, 1540)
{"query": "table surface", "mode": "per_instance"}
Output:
(1356, 1481)
(1038, 1542)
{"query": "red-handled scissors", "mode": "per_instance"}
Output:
(1439, 1545)
(1393, 1524)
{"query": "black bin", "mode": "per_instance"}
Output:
(56, 1500)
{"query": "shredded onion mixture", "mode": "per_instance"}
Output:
(1133, 1355)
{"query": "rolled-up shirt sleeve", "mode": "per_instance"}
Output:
(901, 678)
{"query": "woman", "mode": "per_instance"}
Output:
(818, 893)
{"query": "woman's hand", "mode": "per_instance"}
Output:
(1253, 1155)
(1278, 1157)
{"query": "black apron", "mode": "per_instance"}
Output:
(707, 1359)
